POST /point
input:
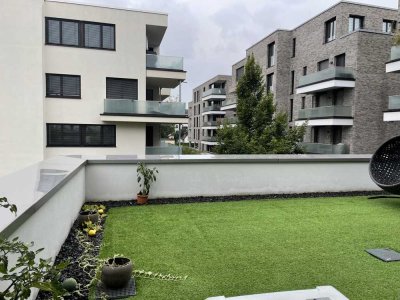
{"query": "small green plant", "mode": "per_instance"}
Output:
(89, 225)
(28, 271)
(145, 177)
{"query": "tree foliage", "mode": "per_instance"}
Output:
(260, 128)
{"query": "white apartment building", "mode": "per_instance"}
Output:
(82, 79)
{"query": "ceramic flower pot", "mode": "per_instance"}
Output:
(116, 272)
(85, 216)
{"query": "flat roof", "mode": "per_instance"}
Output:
(102, 5)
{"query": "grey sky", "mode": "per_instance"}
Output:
(212, 35)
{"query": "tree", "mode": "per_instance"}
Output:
(260, 128)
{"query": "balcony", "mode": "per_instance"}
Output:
(326, 116)
(164, 71)
(125, 110)
(209, 140)
(393, 112)
(317, 148)
(211, 123)
(328, 79)
(214, 94)
(164, 150)
(232, 120)
(394, 64)
(228, 104)
(213, 109)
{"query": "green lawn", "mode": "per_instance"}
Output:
(250, 247)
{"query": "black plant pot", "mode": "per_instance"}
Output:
(116, 272)
(85, 216)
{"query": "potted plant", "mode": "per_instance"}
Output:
(88, 215)
(395, 51)
(145, 177)
(116, 272)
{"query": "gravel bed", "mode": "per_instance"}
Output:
(71, 250)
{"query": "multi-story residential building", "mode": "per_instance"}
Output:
(206, 112)
(329, 72)
(83, 79)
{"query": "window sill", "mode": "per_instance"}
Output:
(64, 97)
(80, 47)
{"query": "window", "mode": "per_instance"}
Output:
(315, 133)
(63, 86)
(118, 88)
(323, 64)
(76, 135)
(355, 23)
(330, 30)
(294, 47)
(80, 34)
(291, 82)
(291, 110)
(271, 55)
(388, 26)
(239, 73)
(270, 79)
(340, 60)
(303, 102)
(304, 71)
(336, 135)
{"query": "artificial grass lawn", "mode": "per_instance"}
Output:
(250, 247)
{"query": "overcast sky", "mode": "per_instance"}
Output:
(212, 35)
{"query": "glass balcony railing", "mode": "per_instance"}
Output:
(318, 148)
(325, 112)
(209, 138)
(126, 106)
(327, 74)
(394, 102)
(395, 53)
(232, 120)
(217, 92)
(163, 150)
(212, 108)
(164, 62)
(211, 123)
(230, 101)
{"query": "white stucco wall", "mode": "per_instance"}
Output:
(21, 81)
(108, 181)
(94, 66)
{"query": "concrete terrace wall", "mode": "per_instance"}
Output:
(48, 196)
(231, 175)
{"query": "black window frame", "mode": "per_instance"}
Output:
(81, 34)
(82, 136)
(239, 73)
(385, 23)
(330, 30)
(271, 55)
(340, 60)
(352, 22)
(320, 64)
(291, 110)
(293, 47)
(292, 78)
(270, 82)
(305, 71)
(62, 76)
(303, 102)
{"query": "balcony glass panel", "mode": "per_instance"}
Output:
(325, 112)
(327, 74)
(126, 106)
(212, 108)
(164, 62)
(209, 138)
(163, 150)
(211, 123)
(217, 92)
(318, 148)
(230, 101)
(394, 102)
(395, 53)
